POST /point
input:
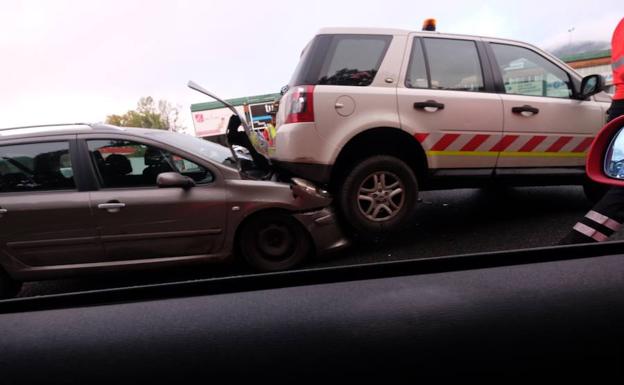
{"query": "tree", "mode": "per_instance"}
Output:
(149, 114)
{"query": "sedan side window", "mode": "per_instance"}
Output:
(194, 171)
(126, 164)
(527, 73)
(36, 167)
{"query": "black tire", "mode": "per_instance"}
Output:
(274, 241)
(8, 287)
(356, 211)
(594, 191)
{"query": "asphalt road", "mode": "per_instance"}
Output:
(448, 222)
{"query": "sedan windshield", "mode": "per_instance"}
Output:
(200, 147)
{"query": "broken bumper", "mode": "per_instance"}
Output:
(324, 230)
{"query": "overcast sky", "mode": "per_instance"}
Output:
(70, 61)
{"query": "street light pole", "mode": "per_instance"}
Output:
(570, 35)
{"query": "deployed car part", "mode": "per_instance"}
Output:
(261, 166)
(238, 138)
(262, 143)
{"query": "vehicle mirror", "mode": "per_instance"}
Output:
(605, 160)
(174, 179)
(614, 158)
(590, 85)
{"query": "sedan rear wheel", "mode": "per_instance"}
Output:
(274, 241)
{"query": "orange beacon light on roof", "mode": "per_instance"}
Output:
(429, 25)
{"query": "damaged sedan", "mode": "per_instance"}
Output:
(94, 197)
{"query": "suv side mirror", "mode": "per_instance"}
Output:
(605, 162)
(174, 179)
(590, 85)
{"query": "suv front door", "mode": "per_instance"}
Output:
(545, 126)
(447, 102)
(45, 221)
(139, 220)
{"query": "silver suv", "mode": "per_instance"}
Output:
(379, 114)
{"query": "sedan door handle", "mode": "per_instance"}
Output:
(525, 110)
(112, 207)
(429, 105)
(3, 211)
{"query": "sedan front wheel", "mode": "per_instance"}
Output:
(274, 241)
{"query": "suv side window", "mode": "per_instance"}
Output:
(344, 60)
(417, 69)
(454, 65)
(124, 164)
(527, 73)
(36, 167)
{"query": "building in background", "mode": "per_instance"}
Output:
(589, 63)
(211, 119)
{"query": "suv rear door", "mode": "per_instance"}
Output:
(447, 101)
(46, 220)
(545, 126)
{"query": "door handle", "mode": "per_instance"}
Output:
(112, 207)
(526, 108)
(429, 105)
(3, 211)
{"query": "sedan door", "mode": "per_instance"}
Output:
(138, 220)
(545, 126)
(446, 101)
(45, 219)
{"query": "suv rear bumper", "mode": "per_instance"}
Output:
(319, 173)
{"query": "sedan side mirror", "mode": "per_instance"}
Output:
(591, 85)
(174, 179)
(605, 162)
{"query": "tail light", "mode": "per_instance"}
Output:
(300, 105)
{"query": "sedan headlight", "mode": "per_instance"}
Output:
(308, 188)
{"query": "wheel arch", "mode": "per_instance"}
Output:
(381, 141)
(236, 251)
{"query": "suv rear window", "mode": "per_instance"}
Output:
(345, 60)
